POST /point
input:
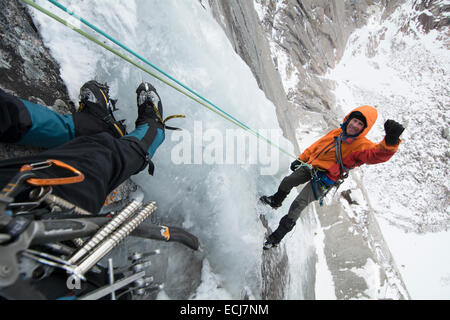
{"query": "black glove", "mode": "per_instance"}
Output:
(393, 131)
(295, 164)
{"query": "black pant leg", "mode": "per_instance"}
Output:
(305, 197)
(296, 178)
(87, 125)
(105, 161)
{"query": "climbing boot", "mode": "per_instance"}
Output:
(150, 107)
(96, 103)
(285, 226)
(149, 104)
(276, 200)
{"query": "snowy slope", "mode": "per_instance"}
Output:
(406, 75)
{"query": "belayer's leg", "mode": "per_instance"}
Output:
(288, 222)
(297, 178)
(105, 161)
(150, 135)
(112, 161)
(150, 129)
(31, 124)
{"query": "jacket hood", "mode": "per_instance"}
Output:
(371, 115)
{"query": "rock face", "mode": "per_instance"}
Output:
(311, 35)
(26, 65)
(434, 16)
(27, 68)
(241, 24)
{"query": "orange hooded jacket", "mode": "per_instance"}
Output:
(355, 151)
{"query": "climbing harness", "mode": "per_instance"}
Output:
(317, 174)
(195, 96)
(317, 184)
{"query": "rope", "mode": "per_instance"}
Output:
(201, 100)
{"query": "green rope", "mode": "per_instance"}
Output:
(98, 42)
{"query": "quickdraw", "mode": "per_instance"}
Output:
(317, 182)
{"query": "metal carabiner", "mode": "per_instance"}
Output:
(51, 260)
(79, 176)
(37, 166)
(37, 196)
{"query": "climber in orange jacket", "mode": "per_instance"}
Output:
(331, 157)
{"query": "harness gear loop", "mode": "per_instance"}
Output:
(78, 176)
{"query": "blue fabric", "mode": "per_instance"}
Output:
(140, 133)
(68, 298)
(159, 139)
(324, 178)
(49, 129)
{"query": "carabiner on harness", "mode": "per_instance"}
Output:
(343, 174)
(27, 176)
(78, 176)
